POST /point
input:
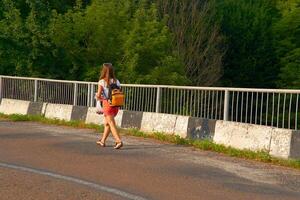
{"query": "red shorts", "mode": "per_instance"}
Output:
(109, 110)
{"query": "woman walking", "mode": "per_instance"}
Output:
(107, 77)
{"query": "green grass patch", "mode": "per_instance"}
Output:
(206, 145)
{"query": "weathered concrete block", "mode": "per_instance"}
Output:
(59, 111)
(181, 126)
(199, 128)
(131, 119)
(44, 109)
(13, 106)
(281, 143)
(223, 133)
(158, 122)
(295, 145)
(35, 108)
(259, 136)
(92, 117)
(119, 118)
(79, 113)
(243, 136)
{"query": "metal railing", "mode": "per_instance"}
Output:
(271, 107)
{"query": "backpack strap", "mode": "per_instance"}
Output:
(108, 86)
(104, 94)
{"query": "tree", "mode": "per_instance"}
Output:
(287, 32)
(250, 60)
(25, 42)
(89, 37)
(196, 37)
(13, 47)
(148, 53)
(39, 39)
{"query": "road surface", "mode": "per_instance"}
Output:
(55, 162)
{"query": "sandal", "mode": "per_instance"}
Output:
(102, 144)
(118, 145)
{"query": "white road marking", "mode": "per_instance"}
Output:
(74, 180)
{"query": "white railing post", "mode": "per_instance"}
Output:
(226, 105)
(88, 95)
(92, 95)
(35, 89)
(75, 94)
(158, 99)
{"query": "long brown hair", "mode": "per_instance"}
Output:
(107, 73)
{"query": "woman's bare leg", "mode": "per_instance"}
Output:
(112, 124)
(106, 131)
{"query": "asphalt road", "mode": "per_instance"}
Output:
(54, 162)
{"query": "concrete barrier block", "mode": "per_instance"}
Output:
(295, 145)
(200, 129)
(259, 137)
(131, 119)
(223, 133)
(281, 143)
(59, 111)
(35, 108)
(92, 117)
(44, 109)
(13, 106)
(243, 136)
(158, 122)
(181, 126)
(79, 113)
(119, 118)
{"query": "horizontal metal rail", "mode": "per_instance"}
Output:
(270, 107)
(168, 86)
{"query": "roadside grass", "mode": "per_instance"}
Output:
(206, 145)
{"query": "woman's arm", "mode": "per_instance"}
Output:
(99, 92)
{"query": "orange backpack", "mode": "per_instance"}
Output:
(115, 95)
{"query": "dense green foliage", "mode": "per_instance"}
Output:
(244, 43)
(250, 59)
(287, 33)
(197, 38)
